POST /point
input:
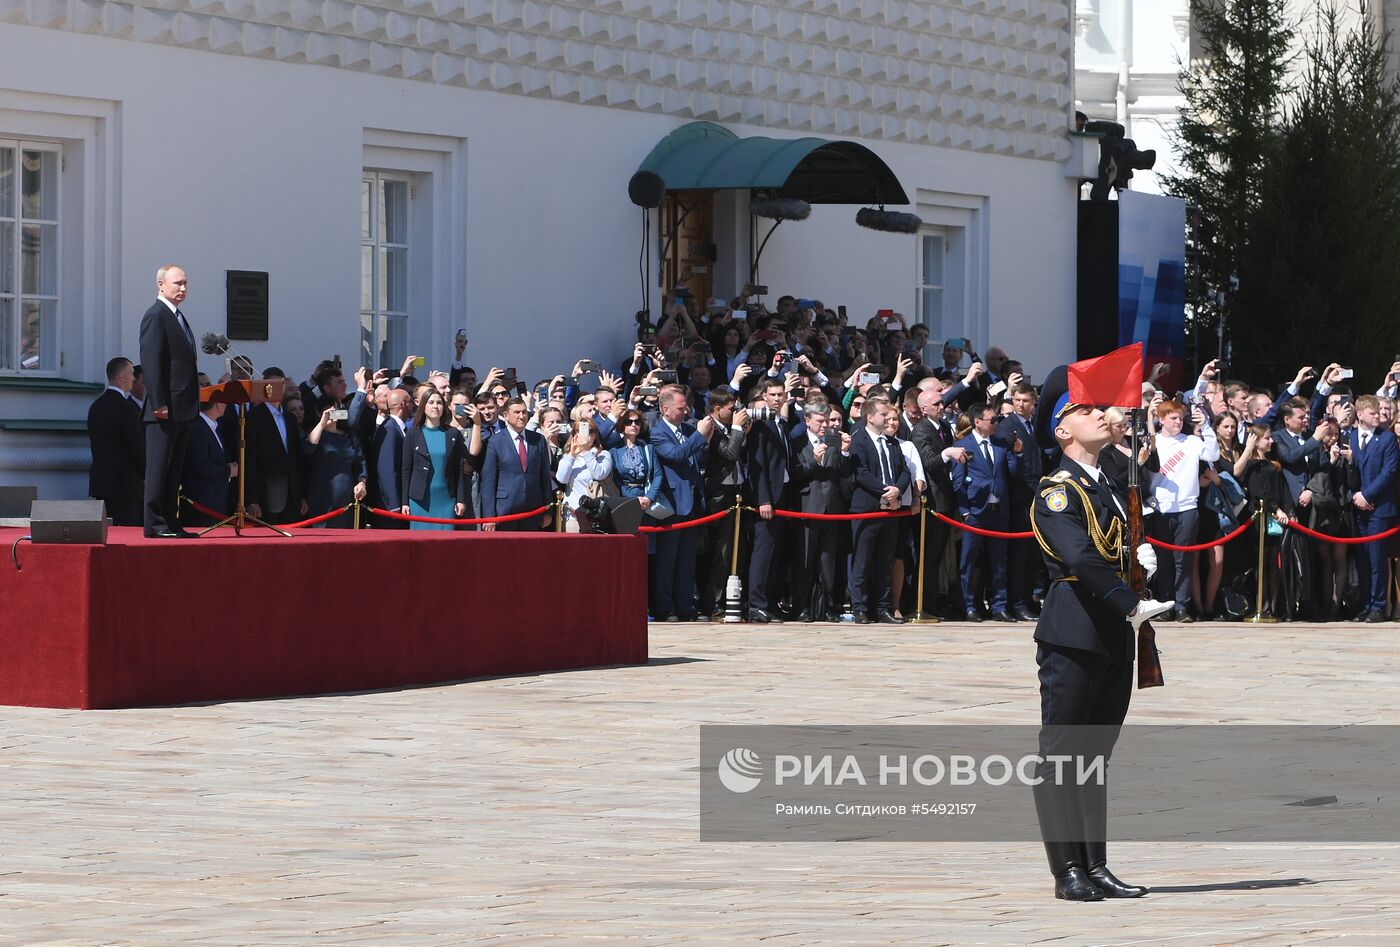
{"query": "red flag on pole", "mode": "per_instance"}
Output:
(1112, 379)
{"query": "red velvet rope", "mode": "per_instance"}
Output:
(311, 522)
(874, 515)
(712, 518)
(1344, 540)
(1199, 546)
(471, 522)
(995, 534)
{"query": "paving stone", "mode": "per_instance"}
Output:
(563, 807)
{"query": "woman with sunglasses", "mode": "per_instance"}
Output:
(635, 470)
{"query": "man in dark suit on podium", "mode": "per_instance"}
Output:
(515, 475)
(169, 360)
(118, 449)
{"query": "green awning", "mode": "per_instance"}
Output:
(703, 156)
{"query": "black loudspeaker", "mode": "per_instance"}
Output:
(68, 521)
(646, 189)
(626, 513)
(15, 503)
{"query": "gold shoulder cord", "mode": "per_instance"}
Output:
(1109, 544)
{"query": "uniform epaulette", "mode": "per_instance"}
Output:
(1059, 476)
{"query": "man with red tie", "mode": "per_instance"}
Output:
(515, 475)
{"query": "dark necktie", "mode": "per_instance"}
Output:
(987, 452)
(189, 333)
(524, 462)
(885, 465)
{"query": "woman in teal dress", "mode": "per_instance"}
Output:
(433, 452)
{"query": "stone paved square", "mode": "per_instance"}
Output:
(563, 807)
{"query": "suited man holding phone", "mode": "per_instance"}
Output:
(982, 486)
(170, 364)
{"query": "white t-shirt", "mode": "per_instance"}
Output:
(1176, 485)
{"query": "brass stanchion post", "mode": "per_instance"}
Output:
(356, 505)
(558, 511)
(1259, 618)
(734, 588)
(920, 616)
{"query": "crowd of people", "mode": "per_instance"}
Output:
(801, 410)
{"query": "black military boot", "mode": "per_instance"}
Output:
(1105, 880)
(1071, 880)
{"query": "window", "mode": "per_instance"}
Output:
(384, 268)
(29, 252)
(932, 250)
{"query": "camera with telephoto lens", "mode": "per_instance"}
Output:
(598, 513)
(761, 413)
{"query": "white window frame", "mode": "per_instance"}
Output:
(922, 283)
(16, 299)
(376, 178)
(963, 219)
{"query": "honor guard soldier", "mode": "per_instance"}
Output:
(1084, 642)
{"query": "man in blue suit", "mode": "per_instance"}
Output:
(515, 475)
(981, 485)
(1377, 459)
(679, 446)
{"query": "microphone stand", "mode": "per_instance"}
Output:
(240, 519)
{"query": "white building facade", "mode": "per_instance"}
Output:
(404, 169)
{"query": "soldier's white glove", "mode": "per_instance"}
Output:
(1148, 610)
(1147, 558)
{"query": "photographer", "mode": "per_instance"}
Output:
(584, 470)
(1329, 511)
(335, 464)
(1262, 479)
(722, 479)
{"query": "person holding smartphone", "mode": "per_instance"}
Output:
(584, 470)
(335, 464)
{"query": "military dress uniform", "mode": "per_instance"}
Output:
(1084, 650)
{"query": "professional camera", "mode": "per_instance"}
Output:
(612, 514)
(761, 413)
(598, 514)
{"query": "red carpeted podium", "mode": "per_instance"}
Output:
(143, 622)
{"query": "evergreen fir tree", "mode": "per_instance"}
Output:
(1233, 88)
(1322, 268)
